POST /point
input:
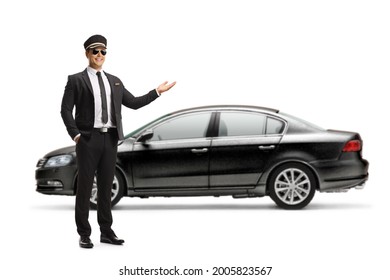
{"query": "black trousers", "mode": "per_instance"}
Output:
(95, 156)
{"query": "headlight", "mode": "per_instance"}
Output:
(58, 161)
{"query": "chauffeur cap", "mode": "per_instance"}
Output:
(95, 41)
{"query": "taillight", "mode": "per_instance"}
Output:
(353, 146)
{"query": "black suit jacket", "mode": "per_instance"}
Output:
(78, 93)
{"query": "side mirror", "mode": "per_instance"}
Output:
(146, 135)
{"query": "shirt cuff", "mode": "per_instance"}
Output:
(74, 139)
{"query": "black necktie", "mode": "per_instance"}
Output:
(104, 98)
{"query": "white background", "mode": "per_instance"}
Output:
(324, 61)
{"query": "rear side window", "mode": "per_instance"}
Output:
(248, 124)
(241, 124)
(274, 126)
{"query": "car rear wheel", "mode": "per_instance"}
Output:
(292, 186)
(117, 191)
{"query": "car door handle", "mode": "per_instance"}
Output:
(267, 148)
(200, 151)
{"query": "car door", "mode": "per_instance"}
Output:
(245, 142)
(176, 157)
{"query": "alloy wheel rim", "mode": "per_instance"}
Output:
(292, 186)
(114, 190)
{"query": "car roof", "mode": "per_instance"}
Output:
(226, 107)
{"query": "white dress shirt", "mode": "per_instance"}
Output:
(98, 100)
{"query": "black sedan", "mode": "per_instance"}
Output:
(242, 151)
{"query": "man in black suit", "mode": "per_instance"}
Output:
(96, 129)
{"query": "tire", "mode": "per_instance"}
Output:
(292, 186)
(117, 191)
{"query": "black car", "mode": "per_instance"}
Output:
(242, 151)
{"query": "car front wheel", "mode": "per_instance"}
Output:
(292, 186)
(116, 191)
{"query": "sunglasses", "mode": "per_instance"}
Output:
(95, 52)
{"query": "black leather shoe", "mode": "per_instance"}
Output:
(85, 242)
(111, 239)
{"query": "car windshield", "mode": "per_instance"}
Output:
(138, 130)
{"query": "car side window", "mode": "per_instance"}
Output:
(241, 124)
(274, 126)
(184, 127)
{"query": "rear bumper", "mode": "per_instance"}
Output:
(341, 175)
(343, 185)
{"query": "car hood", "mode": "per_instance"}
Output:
(62, 151)
(72, 149)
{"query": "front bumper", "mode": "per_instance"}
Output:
(58, 181)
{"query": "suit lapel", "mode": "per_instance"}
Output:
(114, 95)
(110, 80)
(87, 80)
